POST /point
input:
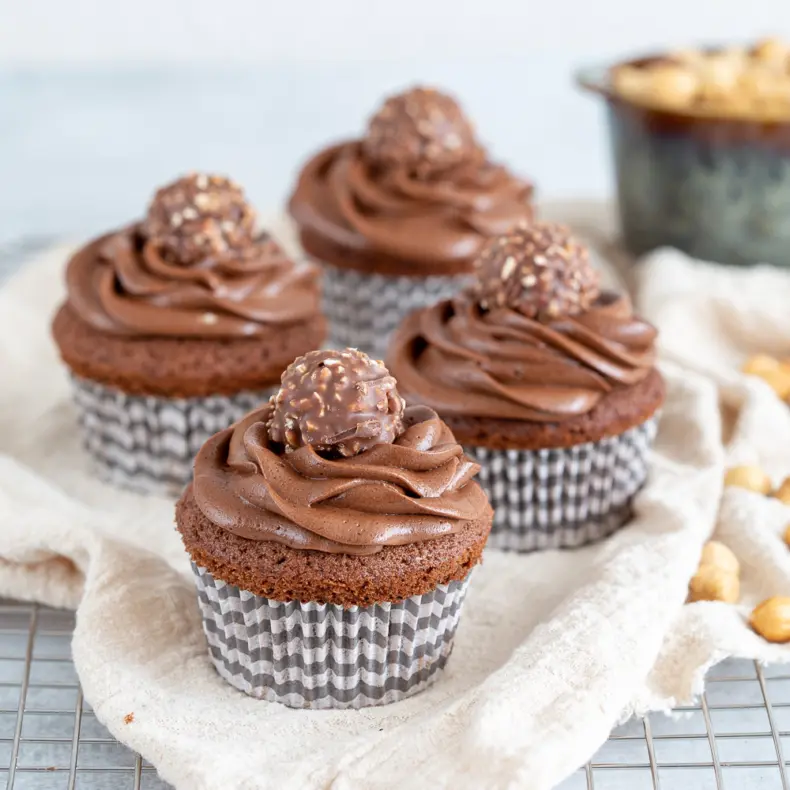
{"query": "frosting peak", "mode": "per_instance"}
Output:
(417, 188)
(461, 359)
(417, 488)
(122, 284)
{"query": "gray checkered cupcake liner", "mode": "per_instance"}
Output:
(148, 443)
(564, 498)
(320, 656)
(363, 310)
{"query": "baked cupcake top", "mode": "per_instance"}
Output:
(534, 339)
(418, 187)
(336, 463)
(195, 266)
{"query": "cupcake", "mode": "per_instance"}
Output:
(176, 326)
(332, 532)
(398, 217)
(547, 381)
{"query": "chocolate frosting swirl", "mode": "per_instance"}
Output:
(440, 222)
(121, 284)
(462, 360)
(418, 488)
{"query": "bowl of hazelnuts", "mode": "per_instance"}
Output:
(701, 147)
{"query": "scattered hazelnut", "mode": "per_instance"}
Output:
(760, 364)
(751, 478)
(779, 382)
(718, 555)
(783, 492)
(771, 619)
(716, 578)
(773, 372)
(710, 583)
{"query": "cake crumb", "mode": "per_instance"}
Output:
(128, 718)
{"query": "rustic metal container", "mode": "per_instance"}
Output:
(717, 188)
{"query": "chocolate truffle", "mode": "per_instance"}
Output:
(538, 269)
(422, 130)
(338, 402)
(199, 217)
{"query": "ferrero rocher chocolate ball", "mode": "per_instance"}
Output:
(538, 269)
(199, 217)
(338, 402)
(422, 130)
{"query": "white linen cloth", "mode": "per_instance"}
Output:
(553, 648)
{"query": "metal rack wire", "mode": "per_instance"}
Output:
(50, 739)
(734, 739)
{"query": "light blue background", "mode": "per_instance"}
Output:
(102, 100)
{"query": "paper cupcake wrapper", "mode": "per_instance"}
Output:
(317, 655)
(364, 309)
(564, 498)
(148, 443)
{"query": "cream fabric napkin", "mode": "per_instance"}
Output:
(553, 648)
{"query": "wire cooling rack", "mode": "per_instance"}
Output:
(50, 738)
(735, 739)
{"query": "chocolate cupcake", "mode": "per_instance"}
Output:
(176, 326)
(398, 217)
(332, 532)
(547, 381)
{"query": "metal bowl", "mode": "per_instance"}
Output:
(717, 188)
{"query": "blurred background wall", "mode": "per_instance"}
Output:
(102, 100)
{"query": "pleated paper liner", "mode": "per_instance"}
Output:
(148, 443)
(564, 498)
(364, 309)
(318, 655)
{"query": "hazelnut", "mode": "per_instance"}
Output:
(719, 74)
(751, 478)
(732, 82)
(631, 82)
(775, 372)
(779, 382)
(688, 57)
(673, 85)
(786, 535)
(771, 619)
(783, 492)
(760, 364)
(772, 51)
(710, 583)
(719, 556)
